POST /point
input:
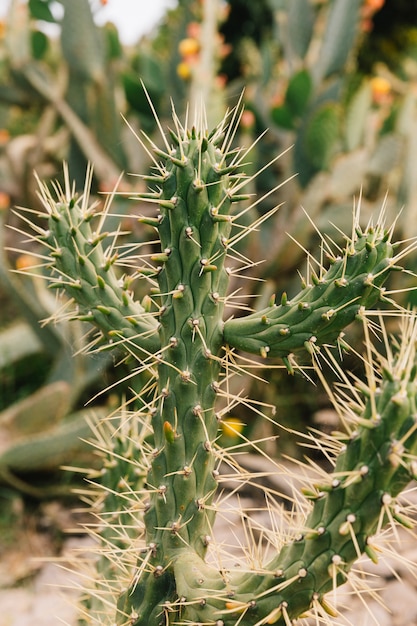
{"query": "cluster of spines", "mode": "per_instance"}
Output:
(86, 272)
(120, 477)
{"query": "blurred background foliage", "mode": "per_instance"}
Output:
(334, 80)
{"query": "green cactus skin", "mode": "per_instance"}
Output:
(194, 227)
(197, 181)
(123, 473)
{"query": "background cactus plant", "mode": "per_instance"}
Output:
(181, 340)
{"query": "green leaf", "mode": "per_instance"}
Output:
(356, 116)
(387, 155)
(136, 99)
(39, 10)
(40, 44)
(281, 115)
(148, 67)
(339, 37)
(82, 42)
(298, 93)
(114, 47)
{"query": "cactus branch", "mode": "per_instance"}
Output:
(349, 506)
(319, 312)
(85, 269)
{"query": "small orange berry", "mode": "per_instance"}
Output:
(232, 427)
(367, 25)
(247, 119)
(26, 261)
(184, 70)
(193, 30)
(375, 5)
(4, 136)
(188, 47)
(4, 201)
(220, 81)
(381, 89)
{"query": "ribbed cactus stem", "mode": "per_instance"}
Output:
(194, 228)
(192, 283)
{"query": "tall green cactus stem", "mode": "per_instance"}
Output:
(196, 182)
(194, 227)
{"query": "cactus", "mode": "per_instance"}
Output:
(304, 85)
(316, 45)
(40, 427)
(182, 339)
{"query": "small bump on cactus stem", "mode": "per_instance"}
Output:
(345, 528)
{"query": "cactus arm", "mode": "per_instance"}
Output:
(121, 474)
(322, 310)
(85, 270)
(376, 463)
